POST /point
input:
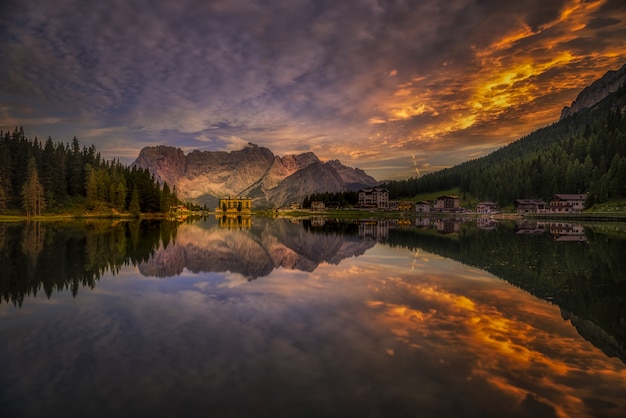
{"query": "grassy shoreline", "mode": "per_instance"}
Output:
(338, 214)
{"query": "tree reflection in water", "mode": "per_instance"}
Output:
(324, 317)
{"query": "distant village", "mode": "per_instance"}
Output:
(378, 198)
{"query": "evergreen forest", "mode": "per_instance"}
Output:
(584, 153)
(52, 177)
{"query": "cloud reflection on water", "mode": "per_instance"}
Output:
(514, 342)
(386, 333)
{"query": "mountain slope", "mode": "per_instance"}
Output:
(585, 152)
(271, 181)
(597, 91)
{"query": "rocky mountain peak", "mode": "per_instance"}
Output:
(598, 90)
(270, 180)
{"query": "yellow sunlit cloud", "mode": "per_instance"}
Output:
(506, 85)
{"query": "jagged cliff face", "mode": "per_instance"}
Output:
(598, 90)
(270, 181)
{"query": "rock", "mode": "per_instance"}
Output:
(598, 90)
(271, 181)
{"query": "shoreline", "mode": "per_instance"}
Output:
(347, 214)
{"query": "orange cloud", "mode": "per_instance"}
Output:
(513, 89)
(520, 352)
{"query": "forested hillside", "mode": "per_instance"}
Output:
(38, 177)
(585, 152)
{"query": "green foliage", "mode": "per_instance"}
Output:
(3, 197)
(134, 207)
(33, 200)
(55, 257)
(68, 174)
(344, 199)
(583, 153)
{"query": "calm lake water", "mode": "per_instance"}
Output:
(253, 317)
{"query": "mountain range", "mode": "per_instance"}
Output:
(590, 127)
(270, 181)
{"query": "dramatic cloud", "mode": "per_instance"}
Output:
(371, 83)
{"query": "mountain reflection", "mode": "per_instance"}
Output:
(255, 249)
(580, 268)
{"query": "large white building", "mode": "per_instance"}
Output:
(376, 197)
(567, 203)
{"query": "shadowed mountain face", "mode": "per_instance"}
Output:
(254, 252)
(598, 90)
(253, 171)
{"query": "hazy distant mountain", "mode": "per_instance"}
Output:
(270, 180)
(598, 90)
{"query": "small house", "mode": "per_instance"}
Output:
(422, 206)
(486, 208)
(318, 205)
(523, 206)
(447, 203)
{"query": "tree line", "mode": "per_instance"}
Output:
(342, 198)
(585, 152)
(38, 177)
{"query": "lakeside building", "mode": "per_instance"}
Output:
(423, 206)
(376, 197)
(318, 205)
(486, 208)
(234, 204)
(447, 203)
(567, 203)
(523, 206)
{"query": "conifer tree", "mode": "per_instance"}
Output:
(33, 200)
(3, 197)
(133, 206)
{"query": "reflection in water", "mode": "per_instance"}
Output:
(255, 251)
(346, 319)
(231, 221)
(61, 256)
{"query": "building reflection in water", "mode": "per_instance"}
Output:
(560, 231)
(231, 221)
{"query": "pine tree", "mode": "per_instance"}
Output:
(3, 197)
(33, 200)
(133, 206)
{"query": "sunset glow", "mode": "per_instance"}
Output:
(370, 84)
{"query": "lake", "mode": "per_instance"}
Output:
(258, 317)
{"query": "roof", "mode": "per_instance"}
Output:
(565, 196)
(487, 204)
(374, 189)
(530, 202)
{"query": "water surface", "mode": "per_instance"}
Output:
(259, 317)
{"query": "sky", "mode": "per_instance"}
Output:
(398, 88)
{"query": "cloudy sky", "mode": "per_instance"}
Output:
(393, 87)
